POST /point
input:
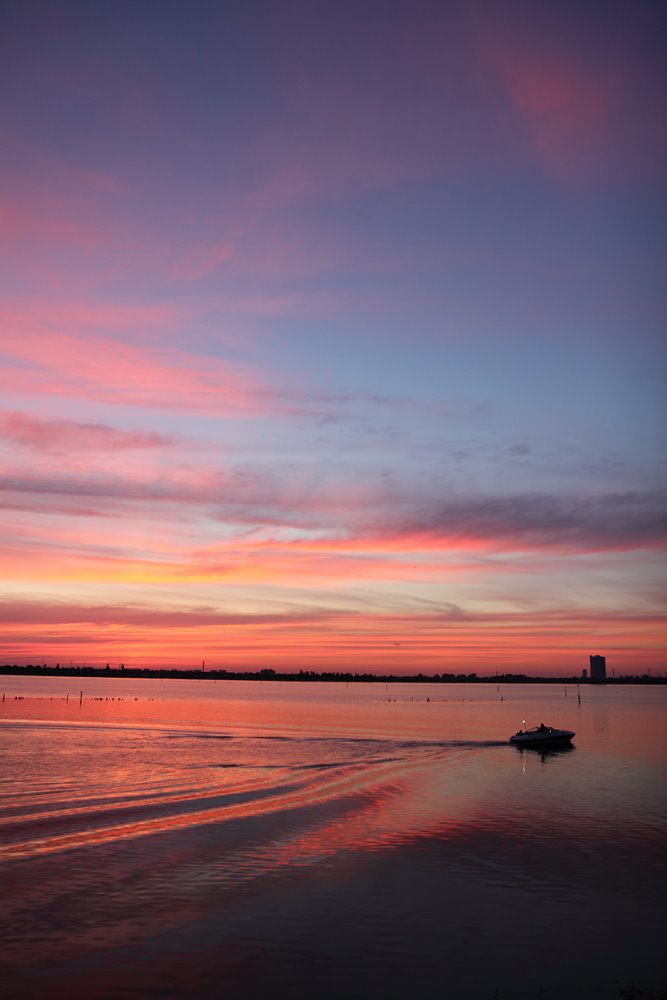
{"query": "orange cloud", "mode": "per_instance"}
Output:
(530, 642)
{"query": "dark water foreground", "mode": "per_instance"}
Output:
(221, 842)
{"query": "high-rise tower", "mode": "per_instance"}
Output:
(598, 669)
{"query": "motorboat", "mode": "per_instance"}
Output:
(542, 736)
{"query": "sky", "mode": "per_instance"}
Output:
(331, 335)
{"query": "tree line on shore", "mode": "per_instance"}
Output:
(268, 674)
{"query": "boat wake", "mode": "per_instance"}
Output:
(131, 783)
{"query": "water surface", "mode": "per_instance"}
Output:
(201, 839)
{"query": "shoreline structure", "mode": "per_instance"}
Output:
(267, 674)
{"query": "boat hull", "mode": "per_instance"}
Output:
(548, 738)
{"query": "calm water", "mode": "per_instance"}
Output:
(200, 839)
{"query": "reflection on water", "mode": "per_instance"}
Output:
(184, 779)
(545, 752)
(228, 844)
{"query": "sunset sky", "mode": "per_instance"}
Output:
(332, 335)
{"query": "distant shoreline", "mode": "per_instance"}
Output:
(36, 670)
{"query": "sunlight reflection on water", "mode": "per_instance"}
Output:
(190, 842)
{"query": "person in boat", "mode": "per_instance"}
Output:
(543, 728)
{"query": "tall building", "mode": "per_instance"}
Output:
(598, 669)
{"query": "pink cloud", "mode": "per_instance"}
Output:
(92, 317)
(43, 219)
(200, 261)
(34, 221)
(43, 163)
(305, 511)
(69, 210)
(567, 111)
(585, 103)
(43, 357)
(49, 204)
(31, 432)
(84, 227)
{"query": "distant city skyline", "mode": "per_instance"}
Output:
(332, 336)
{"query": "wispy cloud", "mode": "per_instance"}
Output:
(589, 523)
(584, 98)
(47, 359)
(72, 436)
(322, 638)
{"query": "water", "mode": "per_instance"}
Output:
(198, 839)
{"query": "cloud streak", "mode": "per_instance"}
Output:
(612, 521)
(101, 369)
(323, 638)
(404, 517)
(71, 435)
